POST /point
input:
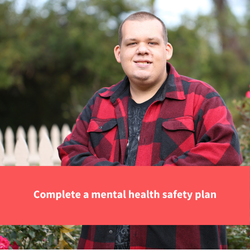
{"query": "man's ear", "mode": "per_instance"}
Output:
(117, 52)
(169, 51)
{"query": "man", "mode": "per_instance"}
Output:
(153, 116)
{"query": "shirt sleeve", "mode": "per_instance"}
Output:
(216, 139)
(76, 149)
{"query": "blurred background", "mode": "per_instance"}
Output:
(55, 54)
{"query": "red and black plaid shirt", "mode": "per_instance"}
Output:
(188, 125)
(153, 237)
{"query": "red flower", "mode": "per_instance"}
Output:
(4, 243)
(248, 93)
(14, 245)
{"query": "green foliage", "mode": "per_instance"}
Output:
(238, 237)
(243, 107)
(54, 59)
(198, 54)
(39, 236)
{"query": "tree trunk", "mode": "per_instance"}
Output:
(227, 33)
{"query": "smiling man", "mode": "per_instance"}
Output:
(154, 116)
(143, 53)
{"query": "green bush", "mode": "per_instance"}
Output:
(41, 236)
(239, 236)
(243, 106)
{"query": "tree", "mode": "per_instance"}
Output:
(54, 59)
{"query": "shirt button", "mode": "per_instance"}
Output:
(100, 127)
(110, 231)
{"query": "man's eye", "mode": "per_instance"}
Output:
(152, 43)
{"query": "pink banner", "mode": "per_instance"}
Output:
(143, 195)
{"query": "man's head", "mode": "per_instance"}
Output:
(142, 16)
(143, 51)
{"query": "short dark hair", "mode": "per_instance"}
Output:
(141, 16)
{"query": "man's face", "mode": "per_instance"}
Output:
(143, 53)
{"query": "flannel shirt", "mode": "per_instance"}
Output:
(188, 125)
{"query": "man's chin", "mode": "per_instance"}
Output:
(142, 77)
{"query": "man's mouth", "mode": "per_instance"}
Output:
(143, 62)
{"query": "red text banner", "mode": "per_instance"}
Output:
(55, 195)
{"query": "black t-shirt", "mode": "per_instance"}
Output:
(136, 114)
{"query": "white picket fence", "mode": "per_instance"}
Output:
(38, 149)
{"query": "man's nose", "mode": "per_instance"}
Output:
(142, 49)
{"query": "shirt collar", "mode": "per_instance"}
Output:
(173, 88)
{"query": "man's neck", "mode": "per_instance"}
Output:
(143, 94)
